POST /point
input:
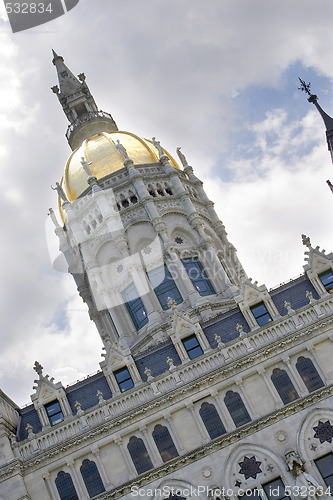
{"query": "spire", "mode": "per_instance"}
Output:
(328, 120)
(79, 105)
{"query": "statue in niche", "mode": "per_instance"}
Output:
(60, 191)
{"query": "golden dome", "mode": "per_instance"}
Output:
(105, 159)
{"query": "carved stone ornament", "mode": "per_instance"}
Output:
(324, 431)
(250, 467)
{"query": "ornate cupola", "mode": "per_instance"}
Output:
(79, 105)
(141, 238)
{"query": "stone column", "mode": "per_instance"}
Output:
(270, 386)
(226, 416)
(296, 378)
(246, 401)
(151, 446)
(200, 426)
(173, 432)
(50, 487)
(127, 458)
(101, 468)
(82, 493)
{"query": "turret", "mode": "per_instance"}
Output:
(79, 106)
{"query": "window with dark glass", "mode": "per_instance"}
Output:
(325, 467)
(164, 286)
(211, 420)
(275, 490)
(124, 379)
(54, 412)
(327, 280)
(135, 306)
(164, 443)
(309, 374)
(260, 313)
(198, 276)
(192, 346)
(284, 386)
(236, 408)
(91, 478)
(253, 495)
(139, 455)
(65, 486)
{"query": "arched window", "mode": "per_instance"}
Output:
(284, 386)
(198, 276)
(164, 286)
(139, 455)
(65, 486)
(309, 374)
(164, 443)
(236, 408)
(212, 420)
(135, 306)
(91, 478)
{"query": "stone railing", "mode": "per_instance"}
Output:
(85, 118)
(155, 387)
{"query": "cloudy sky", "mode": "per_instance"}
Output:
(217, 77)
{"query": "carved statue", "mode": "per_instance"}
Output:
(157, 145)
(53, 217)
(100, 396)
(182, 157)
(60, 191)
(77, 406)
(308, 486)
(287, 305)
(170, 362)
(29, 428)
(239, 328)
(309, 296)
(172, 304)
(147, 372)
(121, 149)
(85, 166)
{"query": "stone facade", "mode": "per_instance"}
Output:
(211, 386)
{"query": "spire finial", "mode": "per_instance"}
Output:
(305, 87)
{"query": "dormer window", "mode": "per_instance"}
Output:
(261, 314)
(124, 379)
(327, 280)
(54, 412)
(192, 346)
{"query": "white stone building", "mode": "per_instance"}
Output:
(211, 386)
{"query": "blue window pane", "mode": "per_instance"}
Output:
(198, 277)
(309, 374)
(212, 420)
(135, 306)
(91, 478)
(65, 486)
(54, 412)
(139, 455)
(327, 280)
(164, 286)
(236, 408)
(275, 490)
(325, 467)
(192, 347)
(164, 443)
(284, 386)
(260, 313)
(124, 379)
